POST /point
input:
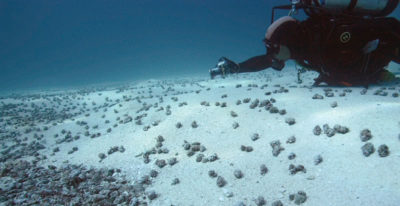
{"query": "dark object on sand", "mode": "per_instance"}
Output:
(263, 169)
(383, 150)
(298, 198)
(212, 173)
(238, 174)
(221, 181)
(368, 149)
(317, 130)
(290, 121)
(276, 147)
(291, 156)
(318, 159)
(295, 169)
(365, 135)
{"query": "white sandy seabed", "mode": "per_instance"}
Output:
(344, 177)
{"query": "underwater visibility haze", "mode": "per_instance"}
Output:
(69, 43)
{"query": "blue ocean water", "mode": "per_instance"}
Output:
(46, 44)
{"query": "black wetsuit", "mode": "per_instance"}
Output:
(335, 49)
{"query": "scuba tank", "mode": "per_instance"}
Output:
(360, 8)
(373, 8)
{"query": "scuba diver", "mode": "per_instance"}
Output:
(347, 42)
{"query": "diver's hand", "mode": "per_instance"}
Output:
(214, 72)
(224, 66)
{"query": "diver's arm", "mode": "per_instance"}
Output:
(255, 64)
(388, 30)
(388, 27)
(226, 66)
(394, 36)
(259, 63)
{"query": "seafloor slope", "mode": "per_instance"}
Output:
(250, 139)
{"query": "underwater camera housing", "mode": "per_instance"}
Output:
(370, 8)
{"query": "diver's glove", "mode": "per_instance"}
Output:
(224, 67)
(277, 65)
